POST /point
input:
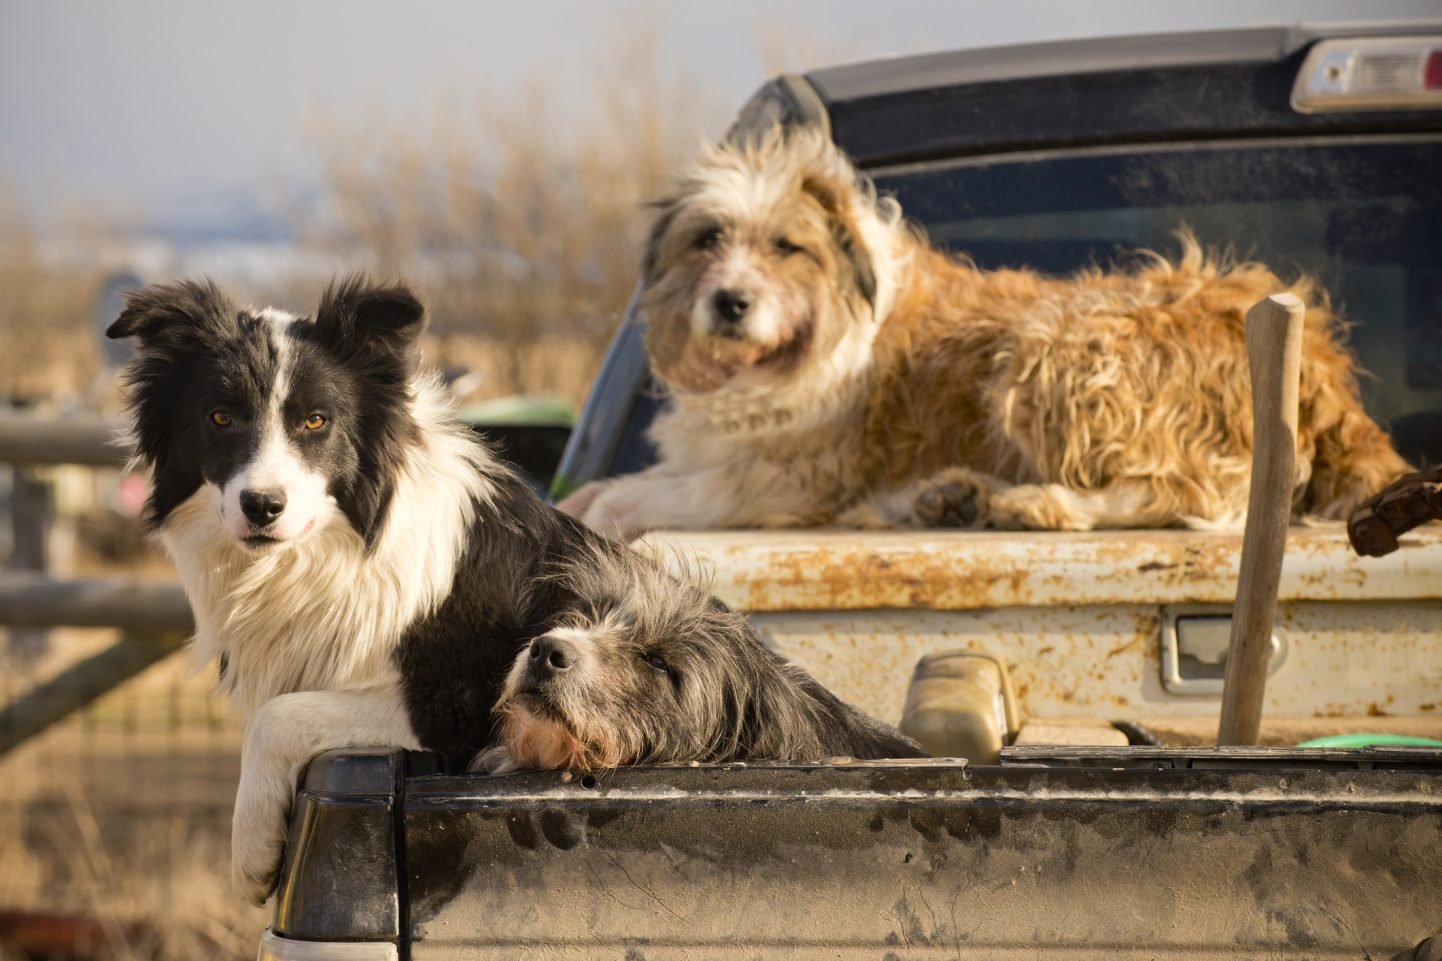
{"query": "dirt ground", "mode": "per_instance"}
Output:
(114, 824)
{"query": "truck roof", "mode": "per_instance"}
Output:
(952, 68)
(1096, 91)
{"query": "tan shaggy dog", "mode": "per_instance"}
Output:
(827, 366)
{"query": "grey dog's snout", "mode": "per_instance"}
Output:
(550, 655)
(262, 508)
(731, 306)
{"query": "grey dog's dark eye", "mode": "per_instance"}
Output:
(656, 661)
(707, 239)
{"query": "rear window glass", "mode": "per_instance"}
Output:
(1363, 217)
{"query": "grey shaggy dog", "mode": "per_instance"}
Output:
(655, 670)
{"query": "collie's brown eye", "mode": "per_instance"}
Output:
(315, 422)
(787, 247)
(220, 418)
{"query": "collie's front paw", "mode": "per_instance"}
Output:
(254, 866)
(257, 833)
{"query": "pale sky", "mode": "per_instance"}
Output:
(146, 103)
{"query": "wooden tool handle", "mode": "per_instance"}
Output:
(1274, 353)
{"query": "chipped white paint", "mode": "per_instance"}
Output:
(820, 570)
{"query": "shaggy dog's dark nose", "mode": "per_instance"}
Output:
(261, 508)
(551, 655)
(730, 305)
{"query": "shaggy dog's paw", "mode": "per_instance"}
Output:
(1039, 507)
(618, 510)
(874, 517)
(493, 760)
(955, 497)
(580, 500)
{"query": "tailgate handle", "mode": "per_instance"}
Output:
(1194, 651)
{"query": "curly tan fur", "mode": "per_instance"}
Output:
(941, 393)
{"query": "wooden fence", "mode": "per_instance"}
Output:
(153, 616)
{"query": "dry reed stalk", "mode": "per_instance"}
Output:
(521, 231)
(46, 350)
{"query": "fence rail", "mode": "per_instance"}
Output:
(34, 600)
(32, 440)
(153, 615)
(81, 684)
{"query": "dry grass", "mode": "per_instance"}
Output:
(523, 233)
(156, 889)
(117, 819)
(46, 349)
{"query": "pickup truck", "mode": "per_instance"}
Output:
(1101, 823)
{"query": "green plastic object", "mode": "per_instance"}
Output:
(520, 410)
(1370, 740)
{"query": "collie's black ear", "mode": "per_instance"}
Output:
(168, 311)
(354, 312)
(845, 235)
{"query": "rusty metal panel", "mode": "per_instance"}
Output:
(1078, 618)
(1343, 659)
(1098, 661)
(891, 862)
(965, 570)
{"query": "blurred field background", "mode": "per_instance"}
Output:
(522, 235)
(507, 185)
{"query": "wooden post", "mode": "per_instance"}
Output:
(1274, 354)
(28, 440)
(32, 511)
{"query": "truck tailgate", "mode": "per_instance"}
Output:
(1237, 853)
(1083, 620)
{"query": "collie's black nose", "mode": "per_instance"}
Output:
(550, 655)
(730, 305)
(261, 508)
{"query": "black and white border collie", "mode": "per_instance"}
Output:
(366, 572)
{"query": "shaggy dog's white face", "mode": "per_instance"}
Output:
(758, 270)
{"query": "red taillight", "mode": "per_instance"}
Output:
(1432, 73)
